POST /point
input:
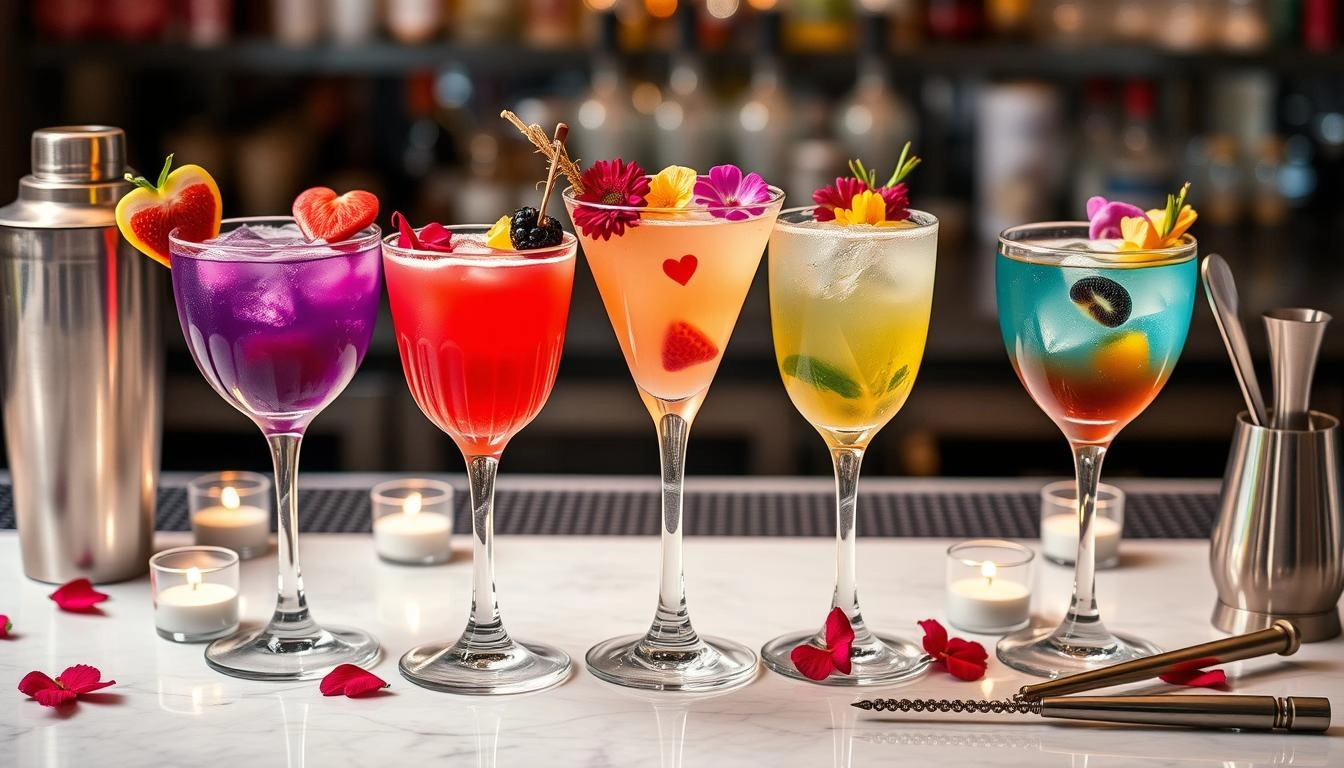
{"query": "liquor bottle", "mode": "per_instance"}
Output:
(1093, 145)
(762, 123)
(873, 121)
(606, 120)
(1320, 24)
(685, 129)
(1139, 166)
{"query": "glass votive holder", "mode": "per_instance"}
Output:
(232, 510)
(195, 591)
(989, 585)
(1059, 523)
(413, 521)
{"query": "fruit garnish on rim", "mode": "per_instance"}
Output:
(186, 199)
(859, 199)
(322, 214)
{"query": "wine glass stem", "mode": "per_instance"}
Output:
(672, 628)
(291, 617)
(847, 461)
(485, 631)
(1082, 625)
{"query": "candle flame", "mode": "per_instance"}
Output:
(194, 577)
(229, 498)
(413, 504)
(988, 569)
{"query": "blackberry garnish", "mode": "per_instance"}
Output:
(527, 234)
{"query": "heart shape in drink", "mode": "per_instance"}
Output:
(681, 269)
(322, 214)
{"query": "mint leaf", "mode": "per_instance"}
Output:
(820, 375)
(898, 377)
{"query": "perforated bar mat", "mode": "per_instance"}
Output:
(619, 512)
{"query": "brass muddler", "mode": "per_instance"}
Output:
(1281, 637)
(1300, 714)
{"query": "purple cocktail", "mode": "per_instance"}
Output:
(278, 325)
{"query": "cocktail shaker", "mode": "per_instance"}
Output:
(1277, 550)
(82, 363)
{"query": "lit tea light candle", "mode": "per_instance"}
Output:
(987, 587)
(413, 521)
(195, 593)
(232, 510)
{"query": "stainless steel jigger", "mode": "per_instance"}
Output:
(1277, 550)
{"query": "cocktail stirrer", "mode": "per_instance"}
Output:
(1299, 714)
(1221, 291)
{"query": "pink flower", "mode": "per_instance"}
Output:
(818, 663)
(1104, 217)
(351, 681)
(725, 192)
(839, 195)
(67, 686)
(611, 183)
(963, 659)
(898, 201)
(432, 237)
(77, 596)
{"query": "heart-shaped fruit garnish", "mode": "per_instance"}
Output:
(324, 215)
(684, 345)
(186, 199)
(681, 269)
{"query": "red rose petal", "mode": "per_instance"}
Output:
(55, 697)
(5, 625)
(436, 237)
(36, 681)
(815, 663)
(839, 639)
(82, 678)
(1196, 678)
(78, 595)
(935, 637)
(965, 659)
(405, 233)
(352, 681)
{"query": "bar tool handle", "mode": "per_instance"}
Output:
(1281, 637)
(1301, 714)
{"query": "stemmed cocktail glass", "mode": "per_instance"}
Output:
(480, 332)
(673, 283)
(278, 325)
(1093, 336)
(849, 308)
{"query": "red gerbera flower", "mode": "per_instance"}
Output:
(839, 195)
(898, 201)
(610, 183)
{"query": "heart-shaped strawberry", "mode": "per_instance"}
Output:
(681, 269)
(186, 199)
(324, 215)
(684, 345)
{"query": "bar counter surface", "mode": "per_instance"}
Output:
(169, 709)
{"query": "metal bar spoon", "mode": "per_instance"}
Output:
(1294, 343)
(1221, 291)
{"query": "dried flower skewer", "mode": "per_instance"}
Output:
(547, 147)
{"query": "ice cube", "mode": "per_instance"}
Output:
(244, 235)
(837, 271)
(266, 304)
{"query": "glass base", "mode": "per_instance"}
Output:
(260, 654)
(1037, 651)
(518, 668)
(881, 660)
(713, 664)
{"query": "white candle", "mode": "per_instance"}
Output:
(413, 535)
(243, 528)
(987, 604)
(196, 608)
(1059, 538)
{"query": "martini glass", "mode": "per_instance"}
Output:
(278, 325)
(673, 284)
(1093, 335)
(849, 308)
(480, 332)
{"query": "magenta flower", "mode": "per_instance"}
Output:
(724, 191)
(839, 195)
(1104, 217)
(351, 681)
(610, 183)
(68, 686)
(898, 201)
(78, 596)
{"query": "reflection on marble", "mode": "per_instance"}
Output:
(172, 710)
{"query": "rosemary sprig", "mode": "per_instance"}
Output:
(553, 151)
(1175, 203)
(904, 166)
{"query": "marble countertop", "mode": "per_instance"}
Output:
(169, 709)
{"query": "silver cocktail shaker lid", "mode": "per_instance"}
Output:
(76, 181)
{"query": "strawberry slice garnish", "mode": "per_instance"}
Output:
(324, 215)
(684, 345)
(186, 199)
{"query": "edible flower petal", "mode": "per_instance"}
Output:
(351, 681)
(69, 685)
(614, 183)
(724, 190)
(839, 195)
(963, 659)
(1141, 230)
(817, 663)
(672, 187)
(5, 625)
(436, 237)
(77, 596)
(867, 207)
(1197, 678)
(1104, 217)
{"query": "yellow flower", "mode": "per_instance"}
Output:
(671, 188)
(867, 207)
(1144, 234)
(498, 236)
